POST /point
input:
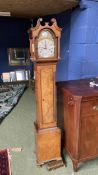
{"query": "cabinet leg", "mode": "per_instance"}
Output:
(75, 165)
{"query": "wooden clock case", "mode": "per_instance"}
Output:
(47, 134)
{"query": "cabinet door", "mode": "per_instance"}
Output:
(89, 137)
(45, 85)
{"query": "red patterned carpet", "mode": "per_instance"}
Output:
(4, 163)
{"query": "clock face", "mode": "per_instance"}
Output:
(46, 45)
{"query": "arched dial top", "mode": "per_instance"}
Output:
(46, 44)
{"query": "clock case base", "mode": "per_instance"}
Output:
(48, 144)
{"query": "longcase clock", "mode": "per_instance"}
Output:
(44, 49)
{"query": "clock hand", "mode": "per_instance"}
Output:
(45, 45)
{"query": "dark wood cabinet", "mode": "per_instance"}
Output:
(80, 108)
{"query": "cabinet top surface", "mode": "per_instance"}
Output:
(80, 87)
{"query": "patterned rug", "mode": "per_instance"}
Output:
(9, 97)
(4, 163)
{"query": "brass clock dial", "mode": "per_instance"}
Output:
(46, 45)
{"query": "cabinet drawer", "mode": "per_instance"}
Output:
(89, 107)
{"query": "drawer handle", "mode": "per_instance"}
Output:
(95, 108)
